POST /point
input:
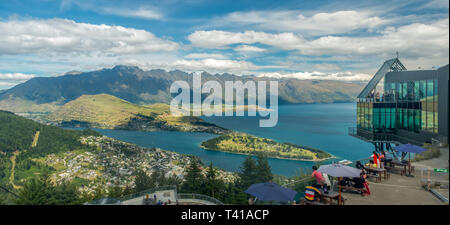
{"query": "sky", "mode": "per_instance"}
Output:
(317, 39)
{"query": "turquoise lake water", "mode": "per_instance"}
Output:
(322, 126)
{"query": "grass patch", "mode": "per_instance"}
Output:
(429, 154)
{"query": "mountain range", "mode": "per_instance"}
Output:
(141, 87)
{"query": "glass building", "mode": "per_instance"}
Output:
(411, 107)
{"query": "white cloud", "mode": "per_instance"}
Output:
(214, 65)
(221, 39)
(204, 55)
(327, 66)
(437, 4)
(8, 80)
(67, 36)
(342, 76)
(142, 12)
(4, 84)
(16, 76)
(317, 24)
(248, 48)
(413, 40)
(146, 11)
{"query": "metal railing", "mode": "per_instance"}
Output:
(206, 198)
(148, 191)
(370, 136)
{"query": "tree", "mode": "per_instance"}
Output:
(33, 193)
(264, 172)
(235, 194)
(142, 181)
(194, 178)
(2, 200)
(40, 191)
(248, 172)
(115, 191)
(213, 186)
(63, 194)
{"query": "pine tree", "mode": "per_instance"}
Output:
(213, 186)
(264, 172)
(33, 193)
(194, 178)
(142, 181)
(248, 172)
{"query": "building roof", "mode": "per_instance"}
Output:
(388, 66)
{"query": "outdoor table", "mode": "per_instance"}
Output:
(393, 163)
(330, 195)
(379, 171)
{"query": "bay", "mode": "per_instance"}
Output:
(323, 126)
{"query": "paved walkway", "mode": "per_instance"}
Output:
(399, 190)
(441, 162)
(403, 190)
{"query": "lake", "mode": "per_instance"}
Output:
(322, 126)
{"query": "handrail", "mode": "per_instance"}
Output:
(148, 191)
(199, 197)
(304, 180)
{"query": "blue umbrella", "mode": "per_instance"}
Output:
(271, 192)
(409, 148)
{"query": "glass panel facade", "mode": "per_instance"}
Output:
(429, 107)
(411, 106)
(435, 107)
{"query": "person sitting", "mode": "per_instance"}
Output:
(358, 182)
(312, 194)
(371, 164)
(319, 178)
(326, 183)
(360, 166)
(363, 175)
(387, 158)
(251, 201)
(344, 181)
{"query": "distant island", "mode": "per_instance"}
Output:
(242, 143)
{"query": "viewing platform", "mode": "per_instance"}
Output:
(166, 194)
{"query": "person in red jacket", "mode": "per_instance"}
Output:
(375, 158)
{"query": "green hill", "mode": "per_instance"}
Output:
(109, 112)
(243, 143)
(17, 134)
(22, 139)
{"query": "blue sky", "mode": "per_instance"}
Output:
(338, 40)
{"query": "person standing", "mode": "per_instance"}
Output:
(375, 158)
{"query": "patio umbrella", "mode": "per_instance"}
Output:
(339, 170)
(271, 192)
(409, 148)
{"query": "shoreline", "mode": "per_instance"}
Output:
(293, 159)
